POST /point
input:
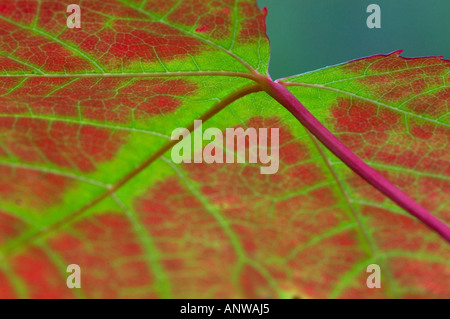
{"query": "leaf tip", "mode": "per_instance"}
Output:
(396, 53)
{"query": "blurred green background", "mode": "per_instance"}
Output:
(310, 34)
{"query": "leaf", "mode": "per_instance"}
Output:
(86, 176)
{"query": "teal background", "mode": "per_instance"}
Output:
(310, 34)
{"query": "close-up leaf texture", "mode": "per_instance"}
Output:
(86, 175)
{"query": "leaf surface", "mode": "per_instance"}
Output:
(86, 176)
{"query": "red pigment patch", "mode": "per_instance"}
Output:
(37, 95)
(425, 152)
(357, 289)
(126, 42)
(112, 44)
(39, 51)
(191, 11)
(181, 226)
(132, 41)
(7, 66)
(424, 278)
(364, 190)
(398, 232)
(6, 289)
(254, 284)
(7, 84)
(53, 15)
(22, 11)
(391, 89)
(381, 136)
(217, 24)
(320, 211)
(30, 188)
(215, 18)
(435, 103)
(361, 117)
(161, 96)
(42, 278)
(394, 62)
(8, 103)
(144, 98)
(66, 145)
(372, 125)
(394, 78)
(97, 99)
(317, 269)
(433, 192)
(430, 192)
(110, 255)
(254, 22)
(160, 6)
(10, 226)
